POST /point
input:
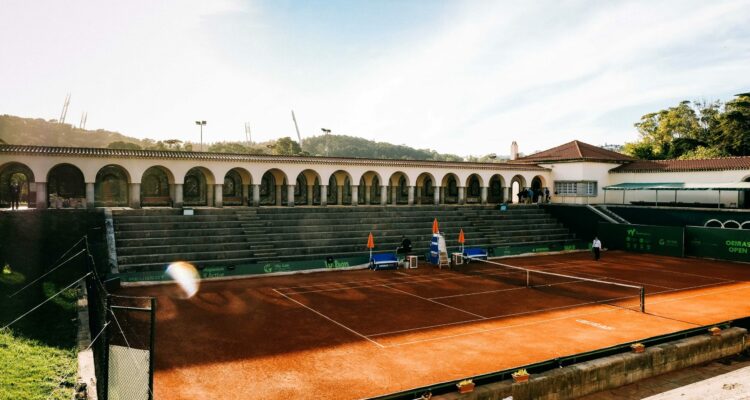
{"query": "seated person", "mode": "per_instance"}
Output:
(405, 247)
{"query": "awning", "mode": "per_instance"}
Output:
(680, 186)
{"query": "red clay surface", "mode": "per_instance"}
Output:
(356, 334)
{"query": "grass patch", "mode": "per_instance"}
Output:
(31, 370)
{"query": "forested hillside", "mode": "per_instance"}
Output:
(16, 130)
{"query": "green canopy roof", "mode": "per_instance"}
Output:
(680, 186)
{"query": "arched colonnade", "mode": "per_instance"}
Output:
(164, 183)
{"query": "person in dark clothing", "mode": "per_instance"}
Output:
(546, 195)
(15, 195)
(405, 247)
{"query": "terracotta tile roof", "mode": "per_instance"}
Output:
(261, 158)
(709, 164)
(576, 151)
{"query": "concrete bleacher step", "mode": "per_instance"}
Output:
(148, 239)
(179, 233)
(171, 257)
(183, 248)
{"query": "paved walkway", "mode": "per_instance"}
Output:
(728, 379)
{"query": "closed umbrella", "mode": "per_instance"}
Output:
(461, 239)
(370, 243)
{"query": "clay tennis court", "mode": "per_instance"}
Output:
(357, 334)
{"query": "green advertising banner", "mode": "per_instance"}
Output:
(247, 269)
(718, 243)
(662, 240)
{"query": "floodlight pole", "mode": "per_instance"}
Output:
(327, 132)
(201, 124)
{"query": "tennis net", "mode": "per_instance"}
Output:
(587, 290)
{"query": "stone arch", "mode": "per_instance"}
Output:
(66, 186)
(371, 194)
(23, 177)
(473, 188)
(307, 188)
(157, 187)
(272, 188)
(745, 225)
(234, 189)
(449, 189)
(196, 190)
(111, 187)
(340, 188)
(398, 188)
(496, 189)
(538, 184)
(517, 185)
(425, 188)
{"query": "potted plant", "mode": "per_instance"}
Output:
(520, 376)
(715, 331)
(465, 386)
(638, 347)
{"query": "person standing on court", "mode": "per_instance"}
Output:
(596, 247)
(15, 195)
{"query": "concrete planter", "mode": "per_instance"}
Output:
(465, 388)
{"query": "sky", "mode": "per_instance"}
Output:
(460, 77)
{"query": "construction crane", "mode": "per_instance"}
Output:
(299, 137)
(248, 134)
(64, 112)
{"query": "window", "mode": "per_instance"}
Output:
(573, 188)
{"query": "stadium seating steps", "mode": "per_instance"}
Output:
(147, 239)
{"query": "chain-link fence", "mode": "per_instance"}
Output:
(122, 330)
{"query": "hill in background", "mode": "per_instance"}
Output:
(39, 132)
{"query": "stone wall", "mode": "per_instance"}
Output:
(614, 371)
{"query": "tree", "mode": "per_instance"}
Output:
(734, 133)
(286, 147)
(123, 146)
(703, 152)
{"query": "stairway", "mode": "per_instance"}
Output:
(151, 239)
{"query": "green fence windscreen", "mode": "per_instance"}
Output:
(662, 240)
(723, 244)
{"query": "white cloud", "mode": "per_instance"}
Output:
(468, 82)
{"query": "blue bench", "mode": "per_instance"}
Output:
(384, 261)
(475, 253)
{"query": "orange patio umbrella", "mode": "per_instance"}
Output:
(370, 243)
(461, 239)
(435, 227)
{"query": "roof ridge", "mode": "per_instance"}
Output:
(578, 147)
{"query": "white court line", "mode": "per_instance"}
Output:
(559, 318)
(690, 288)
(745, 286)
(484, 330)
(383, 280)
(426, 279)
(620, 279)
(602, 303)
(653, 268)
(331, 319)
(478, 293)
(437, 302)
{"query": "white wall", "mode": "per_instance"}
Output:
(580, 171)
